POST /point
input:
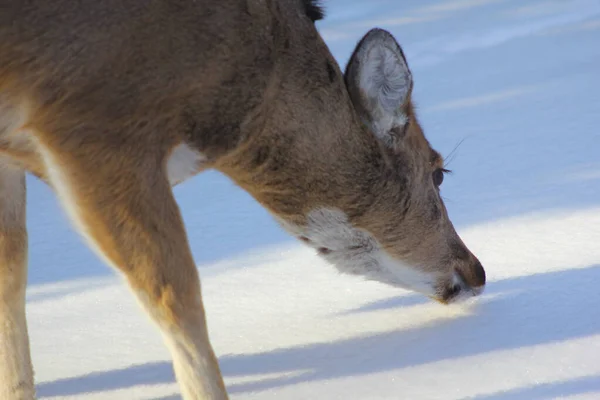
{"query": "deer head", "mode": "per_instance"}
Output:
(344, 165)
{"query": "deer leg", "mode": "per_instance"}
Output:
(126, 211)
(16, 372)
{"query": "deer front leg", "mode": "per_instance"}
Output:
(16, 373)
(126, 210)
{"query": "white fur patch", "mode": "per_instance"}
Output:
(355, 251)
(183, 163)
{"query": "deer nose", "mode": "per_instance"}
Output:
(478, 275)
(473, 275)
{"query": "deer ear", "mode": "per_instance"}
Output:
(380, 84)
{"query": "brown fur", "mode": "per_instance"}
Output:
(94, 96)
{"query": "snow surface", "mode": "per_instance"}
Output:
(516, 86)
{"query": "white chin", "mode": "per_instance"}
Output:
(376, 265)
(397, 273)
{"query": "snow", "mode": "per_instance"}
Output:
(510, 92)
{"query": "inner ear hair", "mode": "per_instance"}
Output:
(380, 83)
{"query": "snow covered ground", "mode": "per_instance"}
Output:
(516, 86)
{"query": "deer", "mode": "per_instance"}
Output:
(114, 103)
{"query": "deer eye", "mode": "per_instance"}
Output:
(438, 176)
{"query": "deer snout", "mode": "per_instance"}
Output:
(473, 275)
(467, 282)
